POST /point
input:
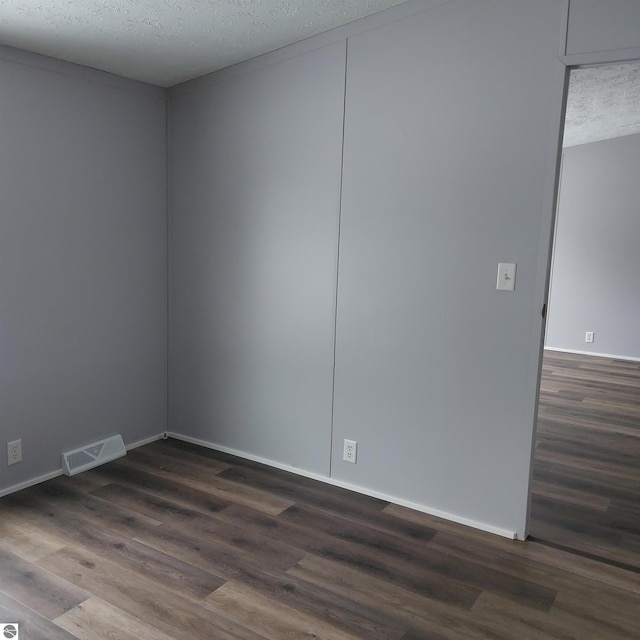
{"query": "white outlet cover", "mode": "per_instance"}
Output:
(350, 451)
(14, 446)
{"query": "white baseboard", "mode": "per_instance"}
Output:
(591, 353)
(141, 443)
(58, 472)
(483, 526)
(30, 483)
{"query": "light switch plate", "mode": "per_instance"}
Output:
(506, 276)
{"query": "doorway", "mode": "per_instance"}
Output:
(586, 471)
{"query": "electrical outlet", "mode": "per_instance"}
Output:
(14, 452)
(350, 451)
(588, 336)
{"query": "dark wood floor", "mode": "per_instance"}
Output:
(176, 541)
(586, 490)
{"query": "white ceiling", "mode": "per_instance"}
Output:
(165, 42)
(603, 102)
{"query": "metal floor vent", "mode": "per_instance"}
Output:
(92, 455)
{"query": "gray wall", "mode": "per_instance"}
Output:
(82, 261)
(435, 371)
(434, 375)
(255, 182)
(595, 283)
(603, 26)
(442, 182)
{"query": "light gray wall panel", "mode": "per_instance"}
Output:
(596, 269)
(82, 265)
(603, 25)
(255, 179)
(449, 119)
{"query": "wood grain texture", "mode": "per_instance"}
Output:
(135, 550)
(47, 593)
(586, 481)
(26, 541)
(95, 619)
(270, 618)
(33, 625)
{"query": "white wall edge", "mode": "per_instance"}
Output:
(591, 353)
(58, 472)
(483, 526)
(543, 270)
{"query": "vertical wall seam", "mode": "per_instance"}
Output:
(567, 15)
(168, 254)
(337, 273)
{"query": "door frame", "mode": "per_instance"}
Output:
(547, 237)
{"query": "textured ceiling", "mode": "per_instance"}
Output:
(603, 102)
(165, 42)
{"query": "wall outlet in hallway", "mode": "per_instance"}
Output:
(350, 451)
(14, 452)
(588, 336)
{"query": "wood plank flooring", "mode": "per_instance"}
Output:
(586, 488)
(177, 541)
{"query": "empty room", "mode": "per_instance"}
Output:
(273, 282)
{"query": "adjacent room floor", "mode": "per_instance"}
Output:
(586, 491)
